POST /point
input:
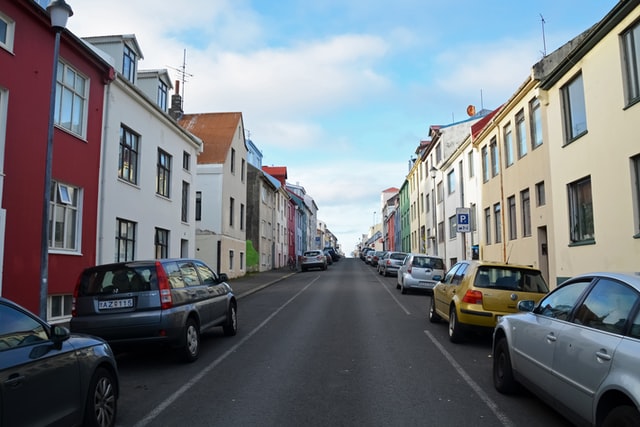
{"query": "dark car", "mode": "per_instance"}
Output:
(157, 301)
(332, 252)
(49, 377)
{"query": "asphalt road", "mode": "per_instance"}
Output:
(340, 347)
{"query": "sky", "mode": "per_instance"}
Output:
(341, 92)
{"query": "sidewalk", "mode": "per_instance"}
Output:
(253, 282)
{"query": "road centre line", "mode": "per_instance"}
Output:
(504, 419)
(193, 381)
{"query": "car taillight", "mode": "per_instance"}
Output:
(74, 309)
(472, 297)
(409, 270)
(166, 301)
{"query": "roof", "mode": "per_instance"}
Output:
(216, 130)
(278, 172)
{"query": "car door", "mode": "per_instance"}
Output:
(198, 293)
(39, 382)
(535, 341)
(445, 289)
(216, 291)
(584, 353)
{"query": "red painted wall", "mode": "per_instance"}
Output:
(26, 74)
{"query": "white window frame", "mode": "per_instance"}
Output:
(574, 109)
(9, 32)
(72, 94)
(630, 40)
(65, 213)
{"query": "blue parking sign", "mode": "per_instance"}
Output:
(463, 220)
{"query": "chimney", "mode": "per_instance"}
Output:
(176, 103)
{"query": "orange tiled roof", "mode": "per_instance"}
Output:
(216, 131)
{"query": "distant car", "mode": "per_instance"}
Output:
(332, 252)
(390, 263)
(419, 271)
(313, 259)
(156, 301)
(364, 252)
(375, 257)
(475, 294)
(369, 256)
(578, 349)
(49, 377)
(327, 254)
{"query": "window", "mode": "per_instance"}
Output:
(473, 220)
(635, 174)
(581, 210)
(525, 204)
(631, 54)
(163, 177)
(162, 243)
(233, 160)
(574, 110)
(129, 64)
(453, 227)
(535, 117)
(243, 169)
(497, 218)
(128, 157)
(513, 225)
(125, 240)
(441, 232)
(198, 205)
(607, 307)
(541, 198)
(438, 153)
(71, 99)
(241, 216)
(185, 202)
(508, 146)
(521, 134)
(186, 161)
(440, 192)
(485, 164)
(487, 225)
(59, 307)
(559, 304)
(470, 162)
(232, 202)
(451, 182)
(495, 162)
(7, 30)
(163, 91)
(64, 217)
(17, 329)
(231, 254)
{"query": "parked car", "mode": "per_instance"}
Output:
(327, 255)
(419, 271)
(333, 253)
(50, 377)
(369, 256)
(157, 301)
(313, 259)
(391, 262)
(364, 252)
(578, 349)
(475, 294)
(375, 257)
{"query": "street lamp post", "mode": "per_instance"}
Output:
(59, 12)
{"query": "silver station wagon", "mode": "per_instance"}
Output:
(166, 301)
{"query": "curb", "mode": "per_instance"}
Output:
(259, 288)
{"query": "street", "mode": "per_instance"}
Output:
(340, 347)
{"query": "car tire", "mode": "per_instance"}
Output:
(397, 285)
(102, 402)
(230, 327)
(456, 334)
(385, 273)
(403, 290)
(433, 316)
(503, 379)
(191, 343)
(622, 416)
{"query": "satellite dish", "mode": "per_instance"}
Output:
(471, 110)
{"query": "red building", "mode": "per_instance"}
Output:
(26, 67)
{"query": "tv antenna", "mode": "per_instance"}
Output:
(182, 73)
(544, 42)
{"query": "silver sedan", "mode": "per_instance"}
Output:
(578, 349)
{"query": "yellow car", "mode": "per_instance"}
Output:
(475, 294)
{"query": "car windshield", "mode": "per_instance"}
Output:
(512, 279)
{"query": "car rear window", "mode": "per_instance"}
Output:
(512, 279)
(311, 253)
(398, 255)
(428, 262)
(100, 281)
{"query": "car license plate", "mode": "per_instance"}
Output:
(115, 303)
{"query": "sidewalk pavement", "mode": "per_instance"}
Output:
(253, 282)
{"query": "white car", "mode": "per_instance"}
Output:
(578, 349)
(419, 271)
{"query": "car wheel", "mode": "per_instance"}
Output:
(403, 290)
(503, 379)
(191, 345)
(397, 285)
(433, 316)
(385, 273)
(622, 416)
(230, 327)
(455, 329)
(102, 403)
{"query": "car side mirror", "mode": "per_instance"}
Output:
(223, 277)
(58, 335)
(526, 305)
